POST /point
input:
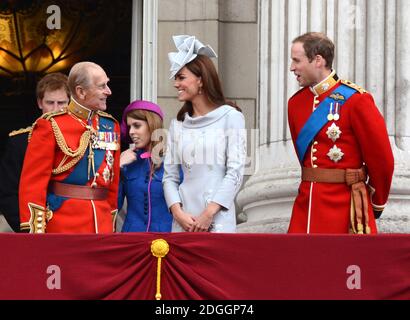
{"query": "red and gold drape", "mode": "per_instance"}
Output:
(205, 266)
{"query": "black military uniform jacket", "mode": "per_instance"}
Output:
(11, 164)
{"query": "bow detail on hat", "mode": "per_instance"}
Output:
(188, 49)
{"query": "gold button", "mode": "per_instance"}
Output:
(314, 159)
(315, 143)
(314, 166)
(314, 150)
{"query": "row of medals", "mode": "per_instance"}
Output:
(333, 112)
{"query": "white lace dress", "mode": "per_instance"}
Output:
(211, 150)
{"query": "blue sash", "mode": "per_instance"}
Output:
(79, 176)
(318, 119)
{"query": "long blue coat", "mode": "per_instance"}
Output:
(134, 186)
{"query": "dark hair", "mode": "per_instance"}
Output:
(317, 43)
(52, 82)
(202, 66)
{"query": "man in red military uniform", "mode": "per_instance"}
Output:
(342, 144)
(70, 177)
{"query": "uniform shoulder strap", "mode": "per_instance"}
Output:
(354, 86)
(19, 131)
(47, 116)
(51, 114)
(106, 115)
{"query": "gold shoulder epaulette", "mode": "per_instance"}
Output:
(19, 131)
(354, 86)
(105, 114)
(47, 116)
(51, 114)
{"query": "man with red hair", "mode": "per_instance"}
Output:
(52, 95)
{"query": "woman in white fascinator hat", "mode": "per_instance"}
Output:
(208, 140)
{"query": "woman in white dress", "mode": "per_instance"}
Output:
(208, 140)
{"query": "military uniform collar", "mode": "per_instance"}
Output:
(79, 110)
(326, 84)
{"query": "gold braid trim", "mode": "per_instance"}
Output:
(39, 217)
(354, 86)
(46, 116)
(114, 214)
(24, 226)
(31, 131)
(19, 131)
(105, 114)
(49, 115)
(76, 154)
(67, 166)
(84, 140)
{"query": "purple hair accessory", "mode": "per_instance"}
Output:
(137, 105)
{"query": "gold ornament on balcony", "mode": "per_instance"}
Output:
(159, 249)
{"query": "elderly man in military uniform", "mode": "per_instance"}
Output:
(70, 177)
(342, 144)
(52, 95)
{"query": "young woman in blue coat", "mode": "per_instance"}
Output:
(142, 169)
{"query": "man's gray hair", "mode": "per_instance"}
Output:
(80, 75)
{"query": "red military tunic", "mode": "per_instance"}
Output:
(55, 139)
(359, 138)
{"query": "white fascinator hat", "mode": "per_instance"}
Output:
(188, 49)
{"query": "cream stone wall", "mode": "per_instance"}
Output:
(230, 27)
(371, 50)
(252, 39)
